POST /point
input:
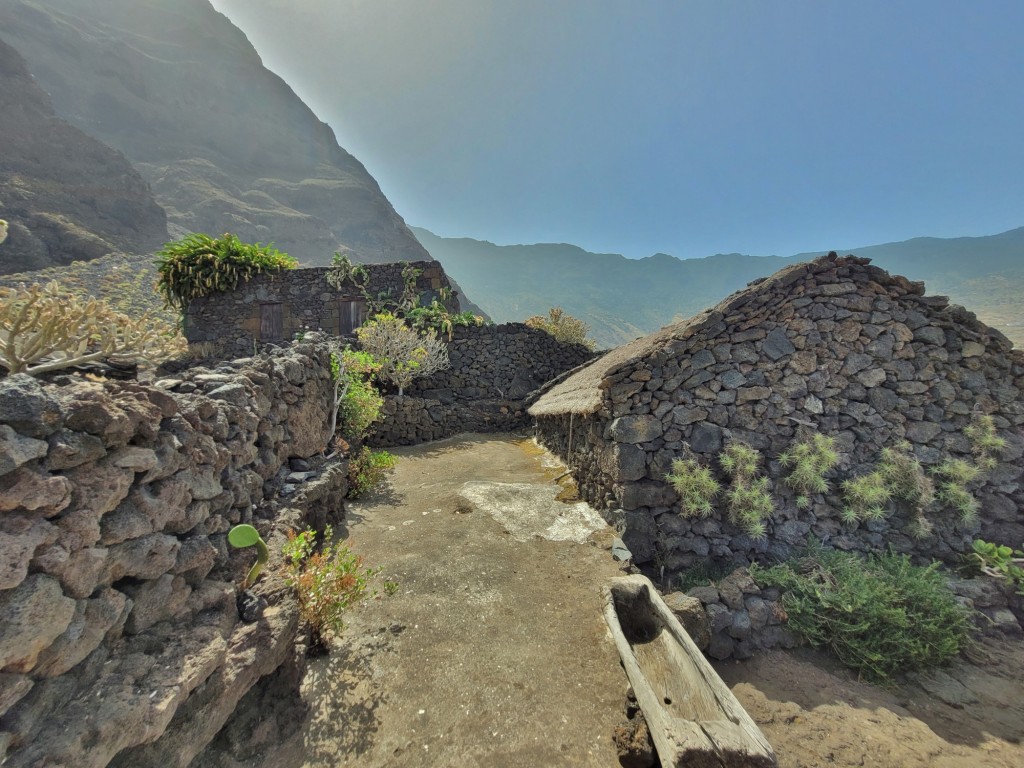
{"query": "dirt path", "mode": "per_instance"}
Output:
(493, 651)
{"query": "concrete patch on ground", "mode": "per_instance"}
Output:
(527, 510)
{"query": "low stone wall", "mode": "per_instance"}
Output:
(493, 369)
(120, 639)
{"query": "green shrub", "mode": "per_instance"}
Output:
(809, 461)
(696, 486)
(343, 272)
(880, 616)
(327, 583)
(361, 403)
(367, 469)
(198, 265)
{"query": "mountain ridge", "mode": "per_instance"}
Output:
(225, 144)
(985, 274)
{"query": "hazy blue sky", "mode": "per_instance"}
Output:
(683, 126)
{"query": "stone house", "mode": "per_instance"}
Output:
(276, 307)
(834, 346)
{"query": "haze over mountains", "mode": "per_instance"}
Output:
(224, 143)
(624, 298)
(128, 121)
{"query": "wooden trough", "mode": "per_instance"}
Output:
(694, 719)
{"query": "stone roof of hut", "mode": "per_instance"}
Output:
(583, 392)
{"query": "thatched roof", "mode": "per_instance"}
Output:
(583, 393)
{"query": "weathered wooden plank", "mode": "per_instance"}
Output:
(693, 717)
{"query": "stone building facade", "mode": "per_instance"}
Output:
(280, 306)
(834, 346)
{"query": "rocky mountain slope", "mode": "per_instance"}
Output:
(624, 298)
(65, 195)
(225, 144)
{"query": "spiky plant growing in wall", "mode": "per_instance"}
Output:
(955, 475)
(898, 475)
(696, 486)
(749, 496)
(810, 460)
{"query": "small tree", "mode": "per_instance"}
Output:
(404, 355)
(42, 329)
(563, 327)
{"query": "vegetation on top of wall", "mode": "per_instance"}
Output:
(43, 328)
(881, 616)
(198, 265)
(564, 327)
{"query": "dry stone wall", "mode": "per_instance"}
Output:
(835, 346)
(120, 631)
(232, 320)
(493, 370)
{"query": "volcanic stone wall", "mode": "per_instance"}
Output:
(834, 346)
(308, 303)
(493, 369)
(117, 587)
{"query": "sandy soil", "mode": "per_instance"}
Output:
(816, 713)
(493, 650)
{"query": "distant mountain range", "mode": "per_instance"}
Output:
(624, 298)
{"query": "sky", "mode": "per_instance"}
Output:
(688, 127)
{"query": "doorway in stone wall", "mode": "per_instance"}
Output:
(351, 315)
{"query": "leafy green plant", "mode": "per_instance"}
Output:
(359, 402)
(367, 469)
(245, 535)
(999, 562)
(327, 583)
(43, 328)
(198, 265)
(696, 486)
(880, 616)
(343, 272)
(749, 496)
(436, 317)
(403, 353)
(810, 460)
(564, 327)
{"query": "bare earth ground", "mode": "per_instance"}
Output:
(493, 651)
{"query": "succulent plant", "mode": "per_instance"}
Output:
(245, 535)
